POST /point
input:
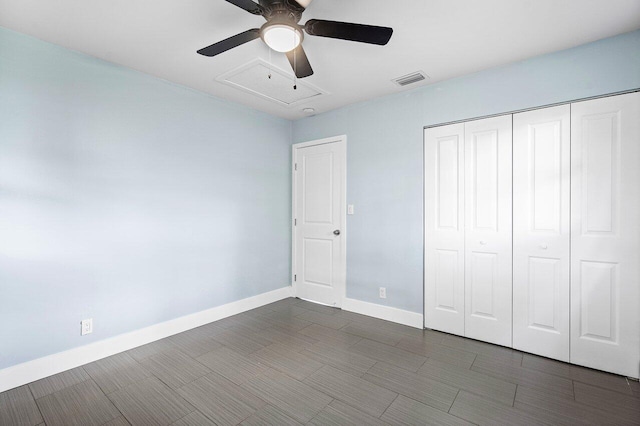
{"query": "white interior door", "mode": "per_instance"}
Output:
(541, 191)
(605, 234)
(444, 228)
(488, 230)
(319, 220)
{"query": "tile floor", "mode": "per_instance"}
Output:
(294, 362)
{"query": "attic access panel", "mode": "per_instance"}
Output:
(253, 78)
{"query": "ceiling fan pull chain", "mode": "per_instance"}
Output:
(295, 66)
(269, 63)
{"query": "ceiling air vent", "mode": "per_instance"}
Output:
(411, 78)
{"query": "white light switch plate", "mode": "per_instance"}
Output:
(350, 209)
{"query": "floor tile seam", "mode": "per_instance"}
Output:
(273, 367)
(624, 406)
(573, 367)
(148, 359)
(386, 344)
(582, 405)
(198, 411)
(152, 376)
(368, 338)
(481, 373)
(65, 388)
(346, 350)
(516, 380)
(410, 397)
(203, 364)
(333, 362)
(167, 384)
(566, 416)
(489, 399)
(535, 408)
(454, 401)
(143, 368)
(368, 369)
(247, 389)
(317, 414)
(405, 394)
(385, 410)
(352, 405)
(35, 401)
(630, 394)
(76, 384)
(442, 411)
(310, 383)
(396, 365)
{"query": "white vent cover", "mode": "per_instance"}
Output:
(254, 78)
(412, 78)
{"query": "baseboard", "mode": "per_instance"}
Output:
(400, 316)
(40, 368)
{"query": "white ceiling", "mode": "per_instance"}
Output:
(444, 38)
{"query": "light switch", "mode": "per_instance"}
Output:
(350, 209)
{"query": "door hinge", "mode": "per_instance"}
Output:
(295, 167)
(295, 222)
(295, 278)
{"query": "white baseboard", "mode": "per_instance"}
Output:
(40, 368)
(400, 316)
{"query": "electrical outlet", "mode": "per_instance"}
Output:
(383, 293)
(86, 326)
(350, 209)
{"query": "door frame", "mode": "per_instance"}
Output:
(342, 272)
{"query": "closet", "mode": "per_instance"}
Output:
(532, 231)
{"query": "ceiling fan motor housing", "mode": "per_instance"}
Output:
(285, 10)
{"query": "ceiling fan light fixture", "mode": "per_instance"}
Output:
(281, 37)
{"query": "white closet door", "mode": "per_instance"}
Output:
(488, 230)
(605, 234)
(541, 192)
(444, 228)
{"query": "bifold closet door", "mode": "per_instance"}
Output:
(541, 231)
(444, 228)
(488, 230)
(605, 234)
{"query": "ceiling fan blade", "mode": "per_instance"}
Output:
(230, 43)
(348, 31)
(299, 62)
(248, 5)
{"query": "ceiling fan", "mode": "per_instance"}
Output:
(282, 32)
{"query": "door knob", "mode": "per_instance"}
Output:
(336, 232)
(543, 246)
(483, 243)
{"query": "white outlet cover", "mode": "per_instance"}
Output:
(383, 293)
(350, 209)
(86, 326)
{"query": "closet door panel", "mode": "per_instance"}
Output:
(541, 237)
(444, 228)
(605, 234)
(488, 184)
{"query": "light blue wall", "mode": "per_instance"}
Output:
(127, 199)
(384, 150)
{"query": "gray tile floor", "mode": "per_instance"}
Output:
(293, 362)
